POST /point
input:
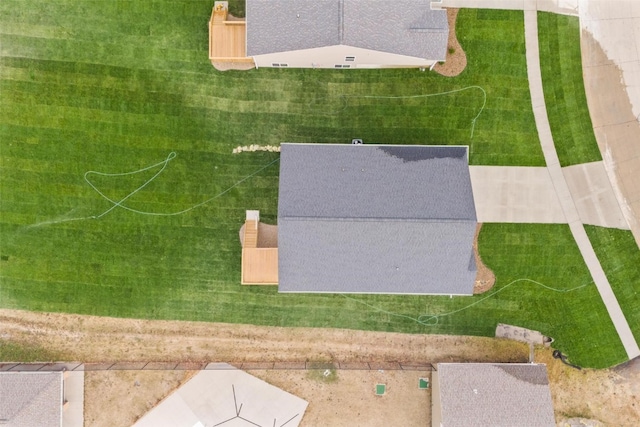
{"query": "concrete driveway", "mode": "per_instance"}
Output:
(611, 64)
(515, 194)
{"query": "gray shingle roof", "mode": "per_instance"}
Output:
(501, 394)
(284, 25)
(405, 27)
(30, 399)
(375, 219)
(375, 181)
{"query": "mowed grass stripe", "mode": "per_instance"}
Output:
(564, 94)
(118, 110)
(619, 255)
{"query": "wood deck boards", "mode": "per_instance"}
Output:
(227, 39)
(260, 266)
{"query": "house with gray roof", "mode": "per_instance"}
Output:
(345, 33)
(491, 394)
(387, 219)
(30, 399)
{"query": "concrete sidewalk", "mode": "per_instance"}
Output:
(594, 196)
(562, 189)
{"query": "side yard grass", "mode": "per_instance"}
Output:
(564, 95)
(13, 351)
(115, 87)
(620, 258)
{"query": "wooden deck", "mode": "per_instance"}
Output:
(227, 38)
(259, 265)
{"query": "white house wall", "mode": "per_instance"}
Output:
(330, 56)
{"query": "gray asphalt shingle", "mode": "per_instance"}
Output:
(500, 394)
(30, 399)
(375, 219)
(404, 27)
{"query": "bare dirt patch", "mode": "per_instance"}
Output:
(100, 339)
(349, 399)
(485, 278)
(226, 66)
(456, 60)
(120, 398)
(604, 395)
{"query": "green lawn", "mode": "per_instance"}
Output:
(143, 66)
(561, 64)
(10, 351)
(620, 258)
(116, 87)
(237, 8)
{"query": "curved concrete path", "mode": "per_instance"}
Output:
(562, 189)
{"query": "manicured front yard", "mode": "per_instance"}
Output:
(561, 66)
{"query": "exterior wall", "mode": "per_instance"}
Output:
(330, 56)
(436, 408)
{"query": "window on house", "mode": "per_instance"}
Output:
(350, 58)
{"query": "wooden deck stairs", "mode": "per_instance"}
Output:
(250, 234)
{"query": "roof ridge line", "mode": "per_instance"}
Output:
(341, 23)
(372, 219)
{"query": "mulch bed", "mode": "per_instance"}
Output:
(456, 60)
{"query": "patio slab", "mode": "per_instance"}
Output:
(226, 397)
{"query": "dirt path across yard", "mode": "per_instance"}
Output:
(119, 397)
(101, 339)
